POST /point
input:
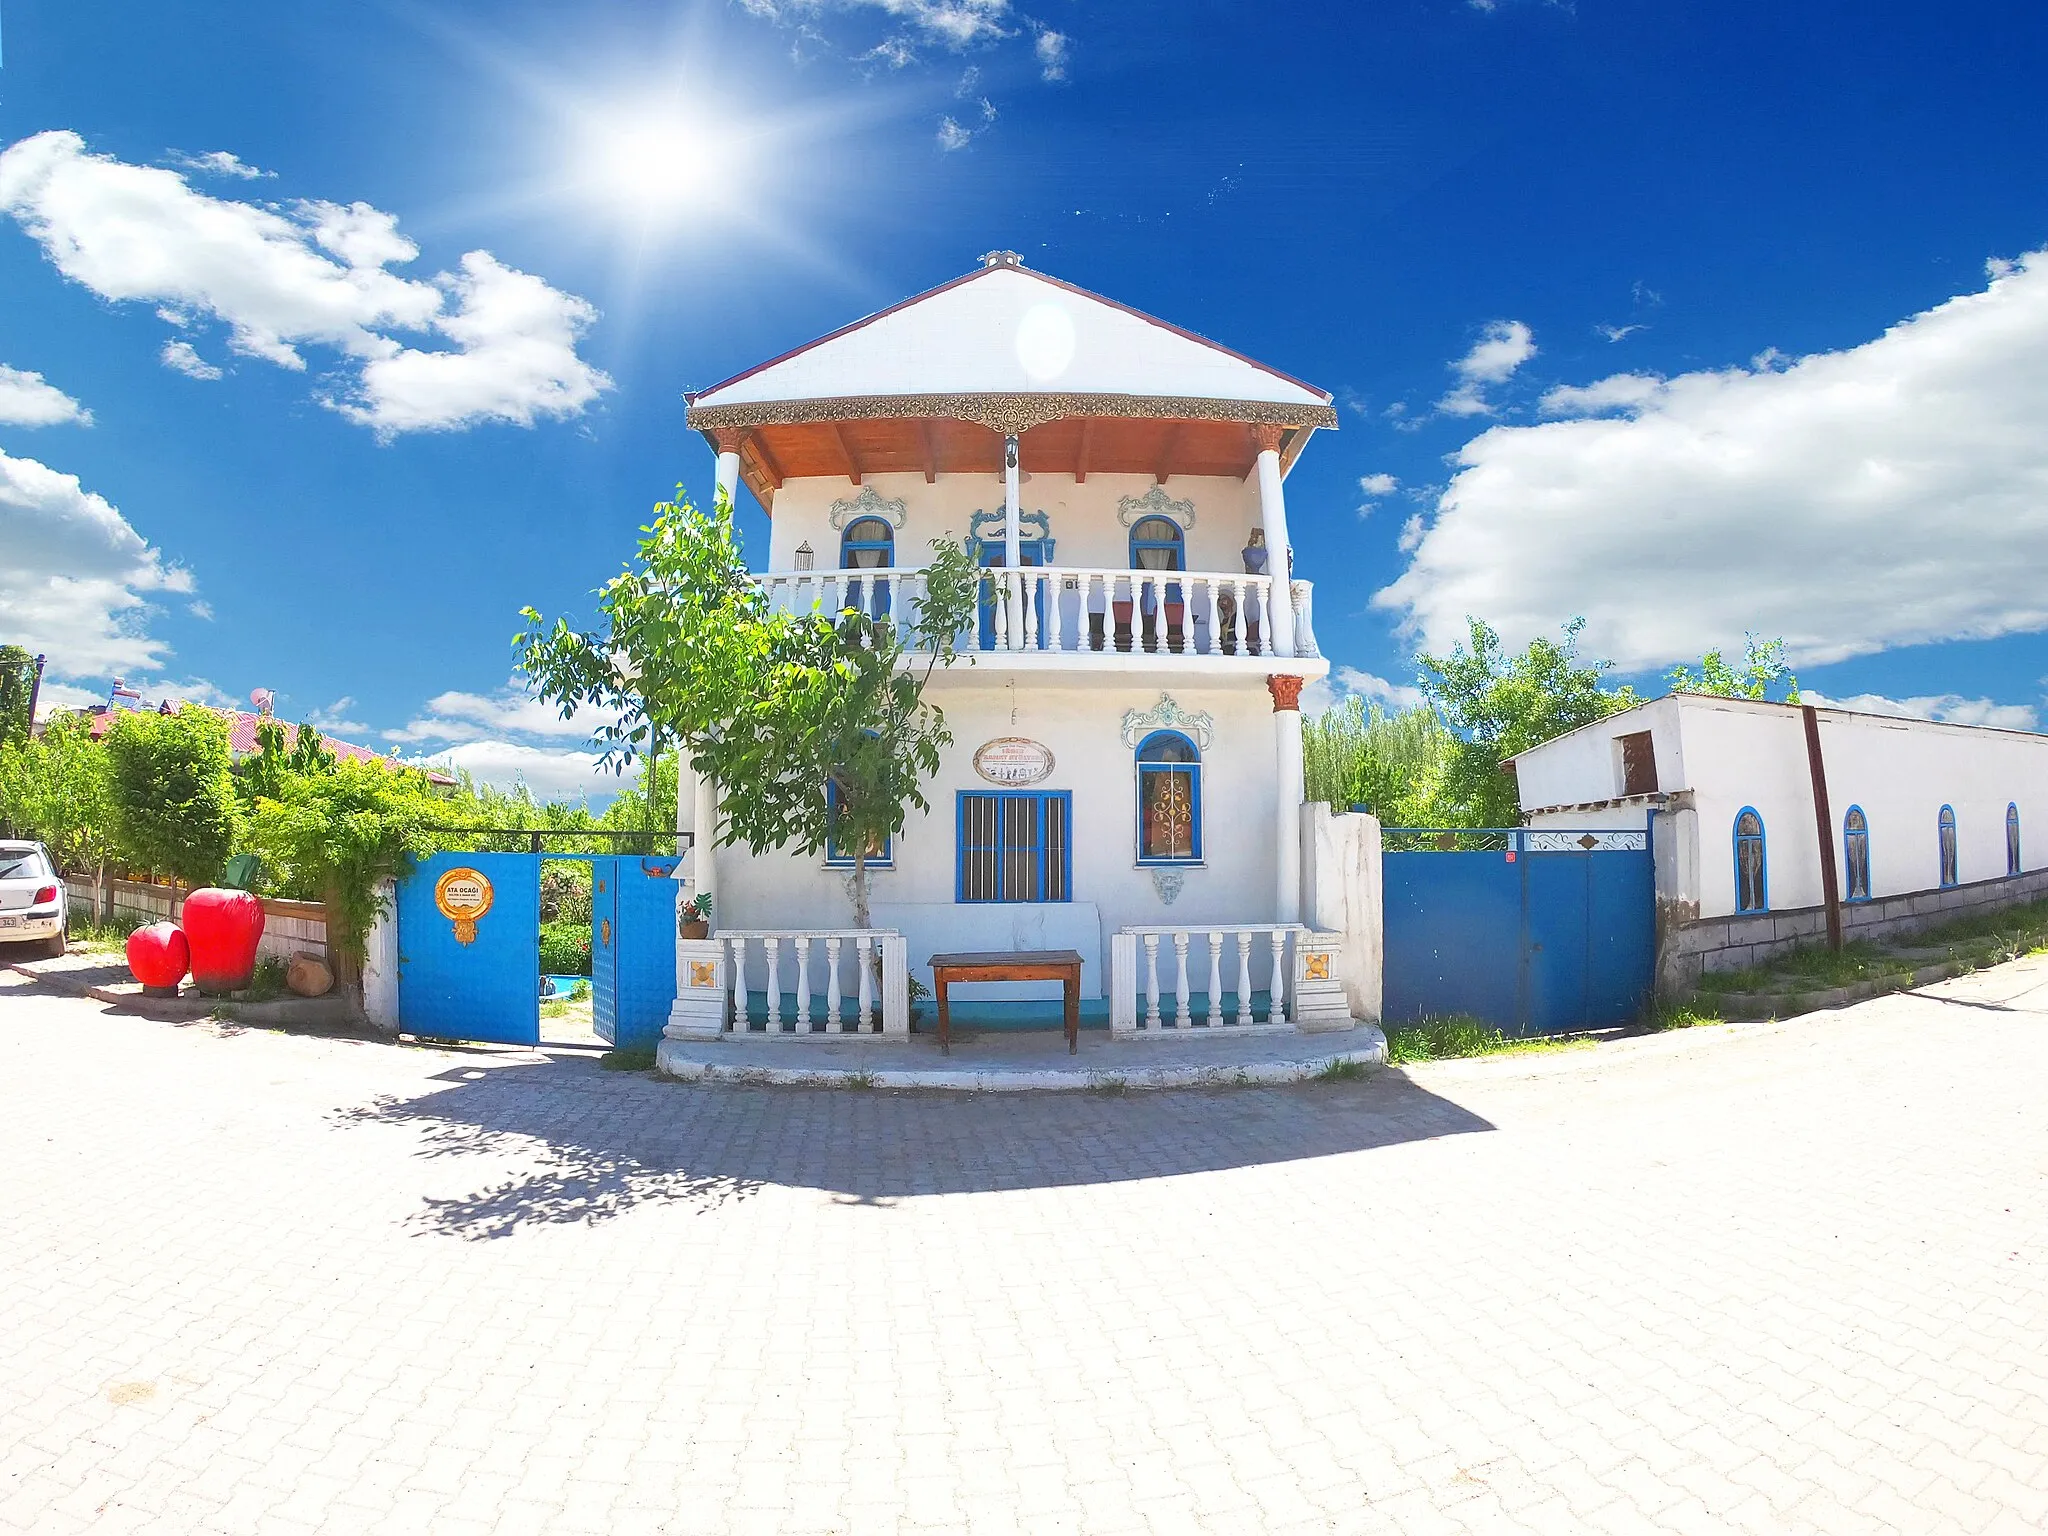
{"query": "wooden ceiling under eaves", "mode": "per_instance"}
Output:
(1075, 445)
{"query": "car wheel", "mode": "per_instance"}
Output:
(53, 947)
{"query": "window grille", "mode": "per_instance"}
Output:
(1015, 846)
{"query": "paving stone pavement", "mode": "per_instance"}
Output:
(1779, 1278)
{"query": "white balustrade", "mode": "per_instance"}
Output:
(874, 960)
(1072, 609)
(1264, 956)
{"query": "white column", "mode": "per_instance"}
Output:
(704, 821)
(1012, 542)
(1273, 513)
(727, 481)
(1287, 791)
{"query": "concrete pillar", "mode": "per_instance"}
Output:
(1273, 514)
(1341, 894)
(1287, 790)
(1013, 554)
(726, 483)
(704, 822)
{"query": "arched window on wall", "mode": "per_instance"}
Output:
(1160, 544)
(868, 544)
(1752, 889)
(2012, 839)
(1945, 833)
(1856, 854)
(1169, 800)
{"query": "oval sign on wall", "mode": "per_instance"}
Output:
(1013, 761)
(463, 895)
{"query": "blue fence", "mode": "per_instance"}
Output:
(1532, 931)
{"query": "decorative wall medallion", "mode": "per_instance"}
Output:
(1168, 716)
(869, 503)
(1014, 761)
(1168, 883)
(463, 895)
(1154, 503)
(703, 973)
(1315, 967)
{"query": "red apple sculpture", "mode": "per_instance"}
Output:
(159, 957)
(223, 928)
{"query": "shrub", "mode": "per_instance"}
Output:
(565, 949)
(173, 791)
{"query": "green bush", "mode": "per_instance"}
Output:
(173, 791)
(565, 949)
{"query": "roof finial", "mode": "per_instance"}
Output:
(1001, 259)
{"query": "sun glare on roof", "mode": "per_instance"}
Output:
(1045, 342)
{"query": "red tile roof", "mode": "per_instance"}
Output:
(242, 737)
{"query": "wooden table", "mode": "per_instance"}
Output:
(1061, 965)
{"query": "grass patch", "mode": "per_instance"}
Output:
(1453, 1036)
(1663, 1016)
(1110, 1086)
(103, 938)
(859, 1080)
(637, 1059)
(1812, 969)
(1342, 1071)
(2009, 927)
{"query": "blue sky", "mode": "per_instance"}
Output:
(359, 327)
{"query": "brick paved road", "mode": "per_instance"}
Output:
(1772, 1279)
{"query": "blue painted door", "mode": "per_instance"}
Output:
(1556, 940)
(1621, 934)
(643, 948)
(475, 978)
(604, 949)
(1453, 935)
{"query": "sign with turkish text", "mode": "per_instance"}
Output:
(1014, 761)
(463, 895)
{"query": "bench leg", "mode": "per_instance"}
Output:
(945, 1018)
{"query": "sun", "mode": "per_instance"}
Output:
(655, 164)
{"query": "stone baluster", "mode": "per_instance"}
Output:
(772, 945)
(802, 941)
(832, 985)
(1209, 616)
(1215, 977)
(1152, 981)
(1244, 977)
(1277, 987)
(1034, 586)
(1180, 984)
(740, 1021)
(866, 996)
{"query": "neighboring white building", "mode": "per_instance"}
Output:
(1728, 787)
(1127, 733)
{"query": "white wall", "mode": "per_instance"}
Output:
(1730, 753)
(1085, 527)
(1081, 722)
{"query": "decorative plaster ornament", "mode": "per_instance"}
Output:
(1167, 715)
(1154, 503)
(868, 503)
(1168, 883)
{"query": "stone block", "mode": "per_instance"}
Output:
(308, 975)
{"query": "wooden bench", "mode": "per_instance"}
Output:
(1061, 965)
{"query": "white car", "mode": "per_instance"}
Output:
(33, 902)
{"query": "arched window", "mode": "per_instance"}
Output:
(1169, 800)
(838, 853)
(869, 544)
(1752, 890)
(1856, 854)
(1945, 831)
(1158, 544)
(2012, 839)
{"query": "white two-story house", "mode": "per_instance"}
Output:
(1126, 767)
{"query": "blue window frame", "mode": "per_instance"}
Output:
(1159, 544)
(1945, 837)
(1014, 845)
(1169, 800)
(868, 544)
(1856, 855)
(2012, 839)
(837, 857)
(1752, 883)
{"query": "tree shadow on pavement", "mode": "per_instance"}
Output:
(595, 1145)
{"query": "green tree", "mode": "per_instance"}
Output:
(335, 836)
(57, 789)
(1764, 668)
(773, 706)
(280, 752)
(1395, 764)
(1498, 705)
(17, 688)
(173, 791)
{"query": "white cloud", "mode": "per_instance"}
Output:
(1618, 332)
(27, 401)
(464, 717)
(220, 163)
(1951, 707)
(180, 357)
(200, 609)
(1052, 49)
(334, 720)
(1378, 485)
(952, 23)
(1617, 392)
(952, 136)
(1887, 494)
(1326, 693)
(550, 773)
(74, 575)
(55, 696)
(313, 276)
(1503, 346)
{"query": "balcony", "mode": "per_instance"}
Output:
(1047, 612)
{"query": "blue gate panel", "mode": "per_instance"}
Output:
(644, 926)
(1556, 940)
(489, 987)
(1453, 936)
(604, 952)
(1621, 936)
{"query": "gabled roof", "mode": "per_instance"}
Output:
(1004, 330)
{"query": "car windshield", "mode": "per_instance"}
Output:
(22, 864)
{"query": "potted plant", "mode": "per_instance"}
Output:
(695, 920)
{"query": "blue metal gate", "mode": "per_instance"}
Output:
(632, 949)
(469, 948)
(1532, 932)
